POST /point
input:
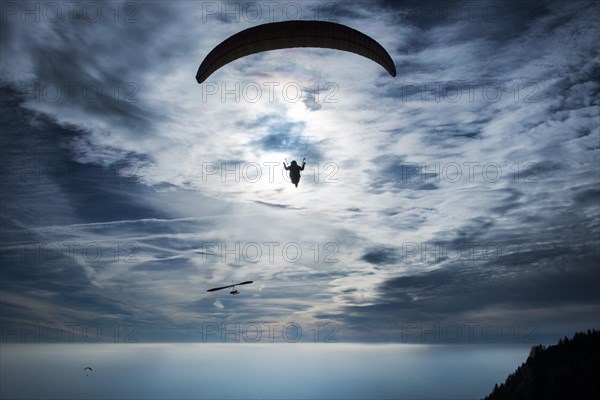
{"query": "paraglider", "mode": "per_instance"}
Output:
(233, 289)
(295, 171)
(291, 34)
(87, 370)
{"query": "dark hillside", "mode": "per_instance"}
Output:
(568, 370)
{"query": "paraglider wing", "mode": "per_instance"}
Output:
(87, 368)
(289, 34)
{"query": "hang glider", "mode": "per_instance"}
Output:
(233, 290)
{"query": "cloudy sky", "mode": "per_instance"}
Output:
(456, 203)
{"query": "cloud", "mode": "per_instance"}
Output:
(218, 304)
(488, 135)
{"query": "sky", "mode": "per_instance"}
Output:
(455, 204)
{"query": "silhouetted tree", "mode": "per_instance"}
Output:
(568, 370)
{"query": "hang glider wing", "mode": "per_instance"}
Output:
(228, 286)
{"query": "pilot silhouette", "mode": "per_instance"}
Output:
(295, 169)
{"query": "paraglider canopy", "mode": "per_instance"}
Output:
(290, 34)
